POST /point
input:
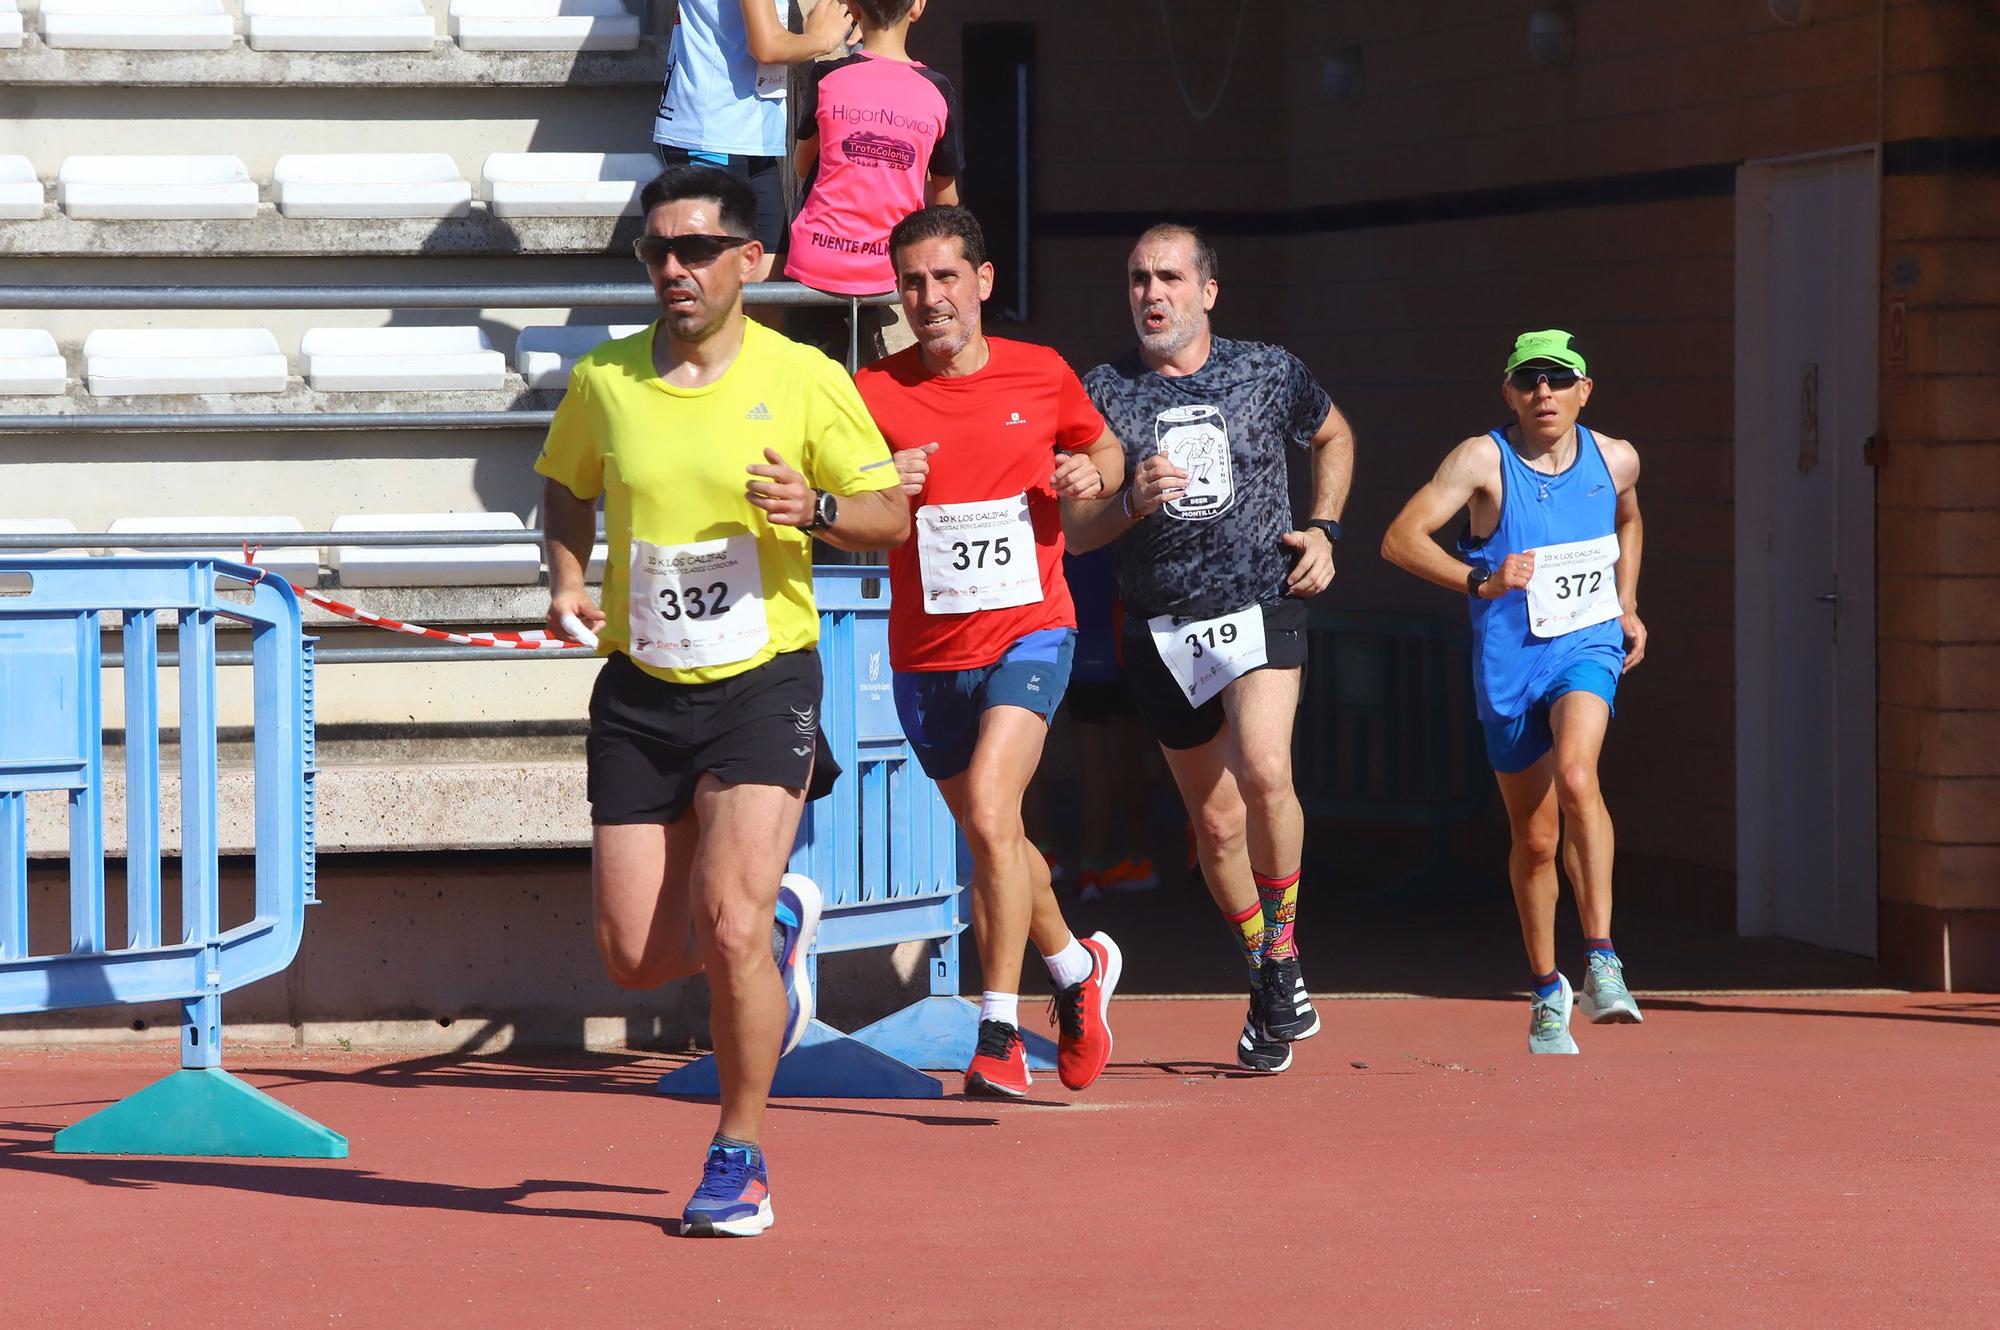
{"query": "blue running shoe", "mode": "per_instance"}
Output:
(1548, 1021)
(1605, 999)
(797, 923)
(734, 1198)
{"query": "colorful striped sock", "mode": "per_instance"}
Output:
(1593, 946)
(1250, 934)
(1279, 899)
(1547, 985)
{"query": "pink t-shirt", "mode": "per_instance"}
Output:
(883, 127)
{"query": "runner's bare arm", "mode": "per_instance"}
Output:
(1622, 460)
(806, 156)
(1471, 468)
(828, 29)
(941, 189)
(1090, 524)
(871, 520)
(1333, 474)
(569, 524)
(1091, 471)
(1333, 465)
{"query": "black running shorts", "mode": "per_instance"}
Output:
(1159, 697)
(652, 741)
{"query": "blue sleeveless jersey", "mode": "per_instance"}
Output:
(1512, 669)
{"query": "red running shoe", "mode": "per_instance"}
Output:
(1083, 1016)
(1000, 1064)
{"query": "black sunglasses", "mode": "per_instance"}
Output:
(1558, 377)
(692, 251)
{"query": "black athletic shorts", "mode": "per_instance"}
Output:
(1159, 697)
(652, 741)
(760, 173)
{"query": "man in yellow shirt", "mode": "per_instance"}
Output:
(717, 446)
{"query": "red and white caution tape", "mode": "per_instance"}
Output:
(536, 640)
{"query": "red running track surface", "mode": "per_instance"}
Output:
(1736, 1161)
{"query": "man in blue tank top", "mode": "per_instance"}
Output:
(1550, 564)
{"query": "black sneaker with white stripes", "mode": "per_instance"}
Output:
(1281, 993)
(1256, 1049)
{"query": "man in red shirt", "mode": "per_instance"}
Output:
(989, 437)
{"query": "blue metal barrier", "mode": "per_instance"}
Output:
(885, 851)
(51, 739)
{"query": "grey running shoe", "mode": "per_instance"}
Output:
(1548, 1021)
(1288, 1013)
(1605, 999)
(1258, 1049)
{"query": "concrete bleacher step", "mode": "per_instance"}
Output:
(296, 563)
(124, 362)
(401, 359)
(138, 25)
(338, 25)
(370, 184)
(434, 565)
(270, 232)
(155, 188)
(31, 363)
(446, 65)
(543, 25)
(433, 801)
(21, 193)
(565, 184)
(544, 354)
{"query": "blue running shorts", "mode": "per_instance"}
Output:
(1518, 743)
(941, 709)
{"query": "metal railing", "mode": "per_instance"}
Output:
(25, 543)
(560, 295)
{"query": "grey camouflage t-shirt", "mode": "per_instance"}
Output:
(1219, 546)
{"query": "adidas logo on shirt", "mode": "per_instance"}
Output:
(758, 412)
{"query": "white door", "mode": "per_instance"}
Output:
(1806, 362)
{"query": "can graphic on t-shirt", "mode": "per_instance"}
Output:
(1196, 439)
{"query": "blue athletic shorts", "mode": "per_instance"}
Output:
(1518, 743)
(940, 709)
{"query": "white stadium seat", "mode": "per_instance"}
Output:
(434, 565)
(294, 563)
(370, 184)
(126, 362)
(30, 363)
(350, 360)
(156, 188)
(21, 194)
(546, 354)
(543, 25)
(338, 25)
(566, 184)
(10, 25)
(138, 25)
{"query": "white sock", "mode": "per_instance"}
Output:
(1003, 1007)
(1071, 965)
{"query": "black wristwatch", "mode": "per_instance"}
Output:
(826, 510)
(1327, 527)
(1476, 579)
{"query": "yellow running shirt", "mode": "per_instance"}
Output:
(699, 585)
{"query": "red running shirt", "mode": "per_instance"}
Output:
(997, 431)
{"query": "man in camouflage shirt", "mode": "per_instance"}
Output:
(1214, 574)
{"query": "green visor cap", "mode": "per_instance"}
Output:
(1550, 345)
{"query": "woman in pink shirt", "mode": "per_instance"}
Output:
(878, 138)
